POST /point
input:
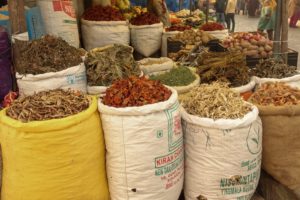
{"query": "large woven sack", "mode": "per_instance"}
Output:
(102, 33)
(281, 142)
(246, 88)
(222, 157)
(54, 159)
(73, 78)
(293, 81)
(144, 150)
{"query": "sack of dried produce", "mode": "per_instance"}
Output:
(53, 148)
(192, 37)
(246, 88)
(150, 65)
(223, 144)
(272, 70)
(279, 109)
(146, 33)
(143, 136)
(49, 63)
(180, 78)
(215, 29)
(60, 20)
(107, 64)
(104, 26)
(221, 35)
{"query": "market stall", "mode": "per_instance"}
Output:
(128, 101)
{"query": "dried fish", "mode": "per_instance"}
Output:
(273, 68)
(216, 101)
(48, 54)
(107, 64)
(277, 94)
(46, 105)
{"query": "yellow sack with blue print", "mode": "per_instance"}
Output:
(59, 159)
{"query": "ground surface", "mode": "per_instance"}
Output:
(243, 23)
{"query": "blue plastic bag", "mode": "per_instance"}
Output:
(35, 25)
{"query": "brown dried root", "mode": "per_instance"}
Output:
(53, 104)
(216, 101)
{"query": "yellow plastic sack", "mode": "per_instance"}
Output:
(60, 159)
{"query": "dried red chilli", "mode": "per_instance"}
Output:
(146, 18)
(135, 91)
(178, 28)
(100, 13)
(212, 26)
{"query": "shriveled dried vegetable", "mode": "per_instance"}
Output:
(104, 65)
(135, 91)
(179, 76)
(100, 13)
(53, 104)
(191, 37)
(227, 67)
(276, 94)
(215, 101)
(48, 54)
(146, 18)
(272, 68)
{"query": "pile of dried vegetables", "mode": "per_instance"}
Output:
(178, 28)
(272, 68)
(135, 91)
(212, 26)
(276, 94)
(53, 104)
(179, 76)
(48, 54)
(146, 18)
(99, 13)
(215, 101)
(107, 64)
(191, 37)
(229, 67)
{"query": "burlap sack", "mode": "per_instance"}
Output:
(281, 144)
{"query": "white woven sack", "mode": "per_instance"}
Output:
(164, 45)
(146, 39)
(96, 90)
(221, 35)
(246, 88)
(222, 157)
(60, 20)
(101, 33)
(159, 64)
(144, 145)
(293, 81)
(73, 78)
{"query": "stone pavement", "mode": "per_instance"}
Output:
(243, 23)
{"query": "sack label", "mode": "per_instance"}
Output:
(64, 5)
(76, 79)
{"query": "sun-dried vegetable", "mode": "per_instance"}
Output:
(100, 13)
(212, 26)
(276, 94)
(47, 54)
(107, 64)
(191, 37)
(273, 68)
(135, 91)
(146, 18)
(227, 67)
(215, 101)
(46, 105)
(179, 76)
(178, 28)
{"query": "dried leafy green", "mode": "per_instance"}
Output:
(47, 54)
(107, 64)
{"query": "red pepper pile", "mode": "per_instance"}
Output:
(135, 91)
(146, 18)
(99, 13)
(212, 26)
(9, 98)
(178, 28)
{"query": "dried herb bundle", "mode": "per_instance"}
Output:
(107, 64)
(215, 101)
(227, 67)
(272, 68)
(48, 54)
(135, 91)
(277, 94)
(53, 104)
(179, 76)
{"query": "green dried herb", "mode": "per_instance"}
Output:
(53, 104)
(272, 68)
(48, 54)
(179, 76)
(107, 64)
